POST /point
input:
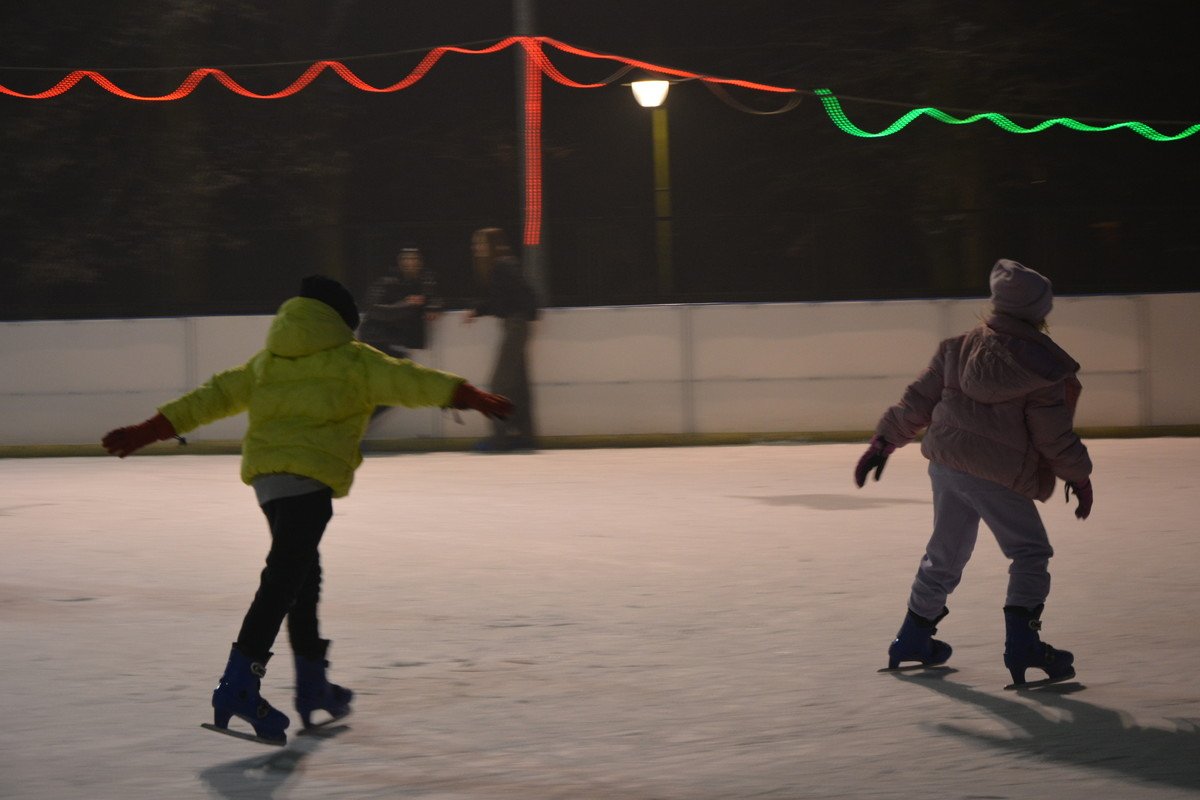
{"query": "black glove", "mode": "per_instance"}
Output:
(1083, 491)
(874, 459)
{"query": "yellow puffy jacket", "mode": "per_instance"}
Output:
(309, 395)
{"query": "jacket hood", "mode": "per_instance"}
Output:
(1005, 358)
(304, 326)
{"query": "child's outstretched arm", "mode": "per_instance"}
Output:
(398, 381)
(223, 395)
(901, 423)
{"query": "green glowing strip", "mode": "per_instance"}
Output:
(834, 109)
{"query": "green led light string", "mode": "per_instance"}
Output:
(533, 47)
(833, 108)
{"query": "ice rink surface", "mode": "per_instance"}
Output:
(634, 624)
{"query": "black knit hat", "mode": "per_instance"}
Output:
(332, 294)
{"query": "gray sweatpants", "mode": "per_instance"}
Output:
(959, 502)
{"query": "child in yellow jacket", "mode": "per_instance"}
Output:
(309, 395)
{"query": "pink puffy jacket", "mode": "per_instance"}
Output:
(999, 404)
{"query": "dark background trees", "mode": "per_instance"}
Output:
(218, 204)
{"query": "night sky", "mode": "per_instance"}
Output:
(218, 204)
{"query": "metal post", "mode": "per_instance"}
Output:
(529, 119)
(662, 201)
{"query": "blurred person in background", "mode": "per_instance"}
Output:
(399, 307)
(509, 297)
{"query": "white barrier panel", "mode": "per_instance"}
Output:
(225, 342)
(74, 418)
(1101, 333)
(601, 345)
(600, 370)
(794, 405)
(811, 340)
(38, 358)
(63, 381)
(623, 370)
(1173, 359)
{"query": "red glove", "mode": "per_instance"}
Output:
(124, 441)
(490, 405)
(1083, 491)
(874, 459)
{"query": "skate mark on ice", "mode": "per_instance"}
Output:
(7, 511)
(832, 502)
(527, 622)
(398, 665)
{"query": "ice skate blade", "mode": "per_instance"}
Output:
(247, 736)
(918, 668)
(323, 728)
(1018, 687)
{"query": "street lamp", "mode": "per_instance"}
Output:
(651, 92)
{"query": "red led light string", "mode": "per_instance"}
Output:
(633, 62)
(532, 46)
(534, 67)
(310, 74)
(65, 85)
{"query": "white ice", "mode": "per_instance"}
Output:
(635, 624)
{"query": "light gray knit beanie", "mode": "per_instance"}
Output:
(1021, 292)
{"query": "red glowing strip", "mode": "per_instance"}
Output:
(633, 62)
(534, 66)
(531, 44)
(533, 145)
(194, 79)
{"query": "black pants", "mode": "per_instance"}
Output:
(510, 377)
(290, 585)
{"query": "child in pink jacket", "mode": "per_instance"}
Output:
(997, 405)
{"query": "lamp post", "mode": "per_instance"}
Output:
(652, 93)
(529, 135)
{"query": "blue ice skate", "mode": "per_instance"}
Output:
(314, 692)
(237, 695)
(915, 642)
(1024, 648)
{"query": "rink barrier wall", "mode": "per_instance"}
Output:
(692, 372)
